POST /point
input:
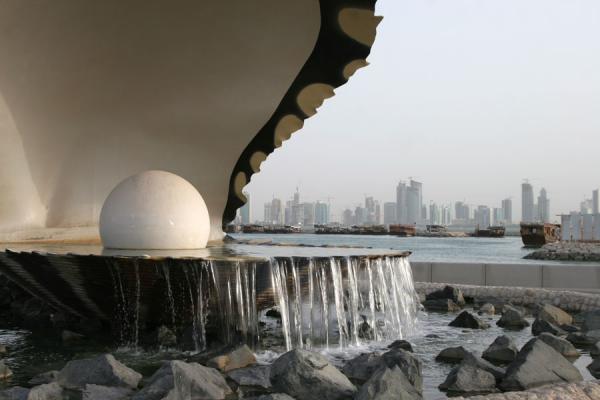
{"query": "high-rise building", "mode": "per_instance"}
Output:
(414, 203)
(446, 215)
(527, 203)
(360, 216)
(297, 210)
(461, 211)
(389, 213)
(401, 206)
(543, 207)
(377, 213)
(308, 214)
(507, 211)
(586, 206)
(595, 202)
(483, 217)
(277, 215)
(369, 211)
(498, 216)
(347, 218)
(288, 212)
(245, 211)
(435, 216)
(267, 219)
(321, 213)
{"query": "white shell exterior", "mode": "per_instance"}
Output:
(154, 210)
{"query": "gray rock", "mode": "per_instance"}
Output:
(14, 393)
(306, 375)
(467, 378)
(480, 363)
(502, 351)
(594, 368)
(97, 392)
(487, 308)
(539, 326)
(70, 336)
(388, 384)
(580, 339)
(238, 358)
(257, 376)
(595, 350)
(165, 337)
(452, 355)
(538, 364)
(512, 319)
(3, 349)
(177, 380)
(365, 331)
(569, 328)
(5, 372)
(554, 315)
(563, 346)
(591, 320)
(275, 396)
(45, 377)
(103, 370)
(408, 364)
(49, 391)
(444, 305)
(448, 292)
(401, 344)
(362, 367)
(467, 320)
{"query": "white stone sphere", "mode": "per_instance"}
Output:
(154, 210)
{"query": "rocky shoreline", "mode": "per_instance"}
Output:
(567, 251)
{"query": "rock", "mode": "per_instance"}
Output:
(177, 380)
(580, 339)
(45, 377)
(448, 292)
(467, 378)
(480, 363)
(538, 364)
(103, 370)
(365, 331)
(502, 351)
(539, 326)
(432, 336)
(563, 346)
(3, 349)
(487, 308)
(69, 336)
(14, 393)
(554, 315)
(569, 328)
(361, 368)
(273, 313)
(388, 384)
(467, 320)
(165, 337)
(256, 376)
(275, 396)
(408, 363)
(238, 358)
(401, 344)
(97, 392)
(441, 305)
(5, 372)
(452, 355)
(595, 350)
(594, 368)
(512, 319)
(306, 375)
(48, 391)
(591, 321)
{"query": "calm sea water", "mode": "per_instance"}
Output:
(490, 250)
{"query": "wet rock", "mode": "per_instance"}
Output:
(361, 368)
(467, 320)
(45, 377)
(512, 319)
(488, 309)
(452, 355)
(306, 375)
(538, 364)
(103, 370)
(569, 328)
(594, 368)
(591, 320)
(595, 350)
(273, 313)
(448, 292)
(255, 376)
(49, 391)
(177, 380)
(401, 344)
(14, 393)
(580, 339)
(443, 305)
(408, 363)
(5, 372)
(365, 331)
(238, 358)
(388, 384)
(554, 315)
(562, 346)
(468, 378)
(70, 336)
(97, 392)
(539, 326)
(3, 349)
(480, 363)
(502, 351)
(275, 396)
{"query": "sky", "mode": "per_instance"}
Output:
(469, 97)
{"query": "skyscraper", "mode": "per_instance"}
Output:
(595, 204)
(401, 199)
(308, 214)
(527, 203)
(369, 211)
(507, 211)
(543, 208)
(277, 212)
(483, 217)
(321, 213)
(245, 211)
(389, 213)
(498, 216)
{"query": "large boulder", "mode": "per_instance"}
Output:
(388, 384)
(480, 363)
(401, 344)
(48, 391)
(539, 326)
(409, 364)
(581, 339)
(238, 358)
(554, 315)
(177, 380)
(14, 393)
(467, 320)
(512, 319)
(468, 378)
(448, 292)
(362, 367)
(595, 350)
(452, 355)
(502, 351)
(561, 345)
(487, 308)
(306, 375)
(45, 377)
(594, 368)
(103, 370)
(258, 376)
(5, 372)
(591, 320)
(538, 364)
(441, 305)
(97, 392)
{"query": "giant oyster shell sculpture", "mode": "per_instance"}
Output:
(92, 92)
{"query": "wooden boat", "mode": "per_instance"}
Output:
(537, 234)
(492, 232)
(403, 230)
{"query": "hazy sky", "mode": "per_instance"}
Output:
(467, 96)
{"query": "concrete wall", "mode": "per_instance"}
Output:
(585, 278)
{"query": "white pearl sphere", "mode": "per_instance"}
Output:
(154, 210)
